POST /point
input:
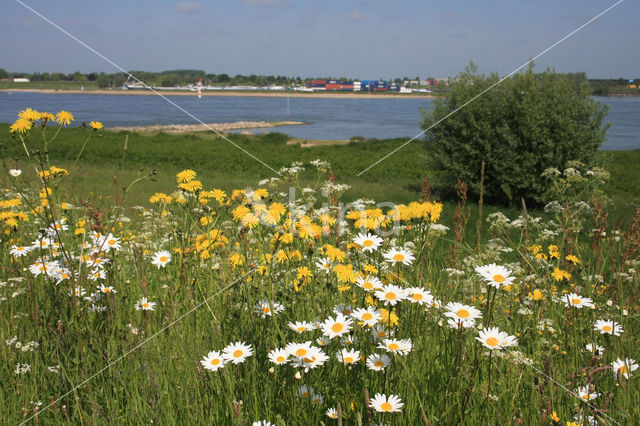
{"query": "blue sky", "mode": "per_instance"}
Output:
(355, 39)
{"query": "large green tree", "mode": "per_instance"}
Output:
(519, 127)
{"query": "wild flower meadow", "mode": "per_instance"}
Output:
(280, 304)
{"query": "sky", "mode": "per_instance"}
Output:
(322, 38)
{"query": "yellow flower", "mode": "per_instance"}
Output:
(191, 186)
(29, 114)
(345, 273)
(370, 269)
(560, 274)
(46, 116)
(536, 295)
(535, 248)
(573, 259)
(21, 125)
(250, 220)
(236, 259)
(390, 319)
(96, 125)
(303, 273)
(554, 254)
(64, 117)
(286, 238)
(185, 176)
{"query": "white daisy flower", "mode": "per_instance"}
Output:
(624, 367)
(396, 346)
(386, 404)
(391, 294)
(145, 305)
(213, 361)
(396, 255)
(237, 352)
(462, 313)
(495, 275)
(369, 316)
(494, 339)
(266, 308)
(585, 395)
(19, 251)
(15, 172)
(608, 327)
(332, 413)
(299, 349)
(369, 283)
(300, 326)
(368, 242)
(576, 301)
(348, 356)
(335, 327)
(161, 258)
(419, 295)
(279, 356)
(324, 265)
(377, 362)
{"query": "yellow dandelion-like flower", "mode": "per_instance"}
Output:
(560, 274)
(21, 125)
(96, 125)
(240, 212)
(389, 318)
(46, 116)
(64, 117)
(573, 259)
(29, 114)
(303, 273)
(185, 176)
(191, 186)
(236, 259)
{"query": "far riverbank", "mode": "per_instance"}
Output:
(235, 93)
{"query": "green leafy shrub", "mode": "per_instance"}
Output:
(519, 128)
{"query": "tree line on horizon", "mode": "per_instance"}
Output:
(172, 78)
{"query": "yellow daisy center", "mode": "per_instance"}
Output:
(386, 406)
(367, 243)
(390, 295)
(367, 285)
(492, 341)
(301, 352)
(337, 327)
(280, 358)
(378, 363)
(393, 346)
(382, 334)
(498, 278)
(163, 258)
(367, 316)
(238, 353)
(463, 313)
(606, 328)
(576, 301)
(301, 329)
(111, 242)
(398, 257)
(346, 312)
(266, 310)
(416, 296)
(215, 361)
(348, 359)
(622, 369)
(145, 305)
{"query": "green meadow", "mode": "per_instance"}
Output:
(153, 279)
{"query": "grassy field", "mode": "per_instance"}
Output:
(201, 297)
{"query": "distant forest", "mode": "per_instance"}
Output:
(171, 78)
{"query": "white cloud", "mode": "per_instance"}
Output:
(188, 7)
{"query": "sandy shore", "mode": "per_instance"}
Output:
(220, 127)
(239, 93)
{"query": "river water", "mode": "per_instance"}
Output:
(328, 118)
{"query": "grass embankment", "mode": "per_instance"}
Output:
(125, 319)
(398, 178)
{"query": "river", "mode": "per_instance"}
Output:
(328, 118)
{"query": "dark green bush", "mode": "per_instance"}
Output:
(520, 127)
